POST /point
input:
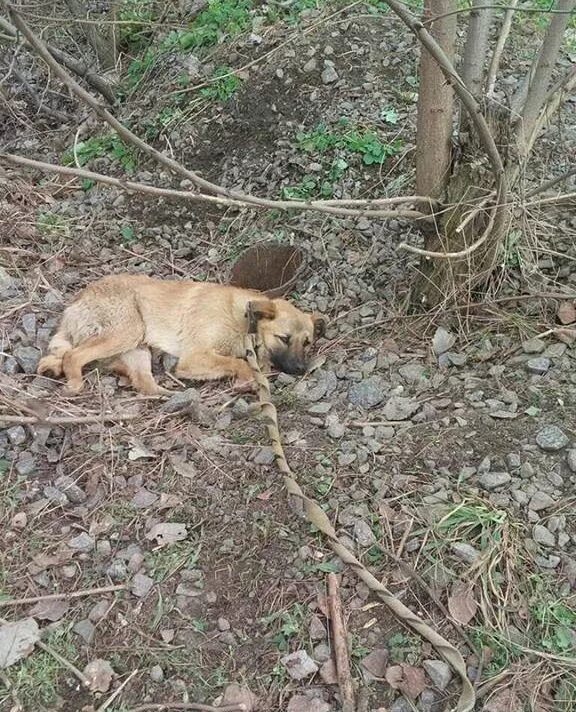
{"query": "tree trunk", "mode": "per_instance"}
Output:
(101, 39)
(435, 105)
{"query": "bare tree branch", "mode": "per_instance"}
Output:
(476, 47)
(499, 49)
(81, 70)
(330, 207)
(541, 75)
(554, 99)
(500, 8)
(551, 183)
(435, 106)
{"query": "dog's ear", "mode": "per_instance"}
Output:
(259, 309)
(320, 325)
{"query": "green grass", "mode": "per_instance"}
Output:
(51, 224)
(224, 87)
(35, 680)
(287, 625)
(163, 563)
(135, 18)
(221, 19)
(110, 145)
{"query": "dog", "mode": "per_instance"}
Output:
(120, 318)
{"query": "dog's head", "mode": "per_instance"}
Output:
(286, 332)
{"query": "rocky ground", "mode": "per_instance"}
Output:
(448, 440)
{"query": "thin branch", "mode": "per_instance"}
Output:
(551, 106)
(61, 596)
(165, 706)
(541, 75)
(322, 206)
(73, 420)
(562, 198)
(106, 704)
(476, 47)
(499, 49)
(38, 104)
(513, 7)
(551, 183)
(94, 80)
(161, 158)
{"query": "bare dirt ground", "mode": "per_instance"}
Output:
(448, 440)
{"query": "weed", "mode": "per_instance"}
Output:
(224, 87)
(52, 224)
(222, 18)
(110, 145)
(163, 563)
(137, 70)
(365, 143)
(134, 16)
(289, 623)
(403, 646)
(128, 235)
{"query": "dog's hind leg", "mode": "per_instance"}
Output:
(94, 349)
(136, 365)
(209, 366)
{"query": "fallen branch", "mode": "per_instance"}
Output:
(61, 596)
(106, 704)
(339, 639)
(71, 420)
(161, 158)
(165, 706)
(551, 183)
(323, 206)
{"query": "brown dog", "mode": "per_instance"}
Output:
(203, 325)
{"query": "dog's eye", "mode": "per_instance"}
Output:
(306, 342)
(283, 339)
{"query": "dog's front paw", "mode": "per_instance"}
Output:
(73, 387)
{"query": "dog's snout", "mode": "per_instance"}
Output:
(289, 364)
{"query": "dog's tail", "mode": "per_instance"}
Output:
(57, 349)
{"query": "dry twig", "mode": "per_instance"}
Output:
(71, 420)
(61, 596)
(339, 638)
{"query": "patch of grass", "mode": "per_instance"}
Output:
(288, 624)
(110, 145)
(404, 647)
(52, 224)
(135, 17)
(163, 563)
(35, 680)
(224, 87)
(363, 142)
(222, 18)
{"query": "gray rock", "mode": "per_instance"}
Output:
(540, 501)
(299, 665)
(187, 400)
(465, 552)
(26, 464)
(513, 460)
(399, 408)
(439, 672)
(223, 624)
(401, 704)
(539, 365)
(329, 74)
(334, 427)
(571, 460)
(311, 65)
(542, 535)
(442, 341)
(363, 533)
(367, 393)
(375, 663)
(85, 629)
(551, 438)
(533, 346)
(117, 571)
(9, 286)
(413, 373)
(99, 610)
(156, 673)
(493, 480)
(264, 456)
(16, 435)
(56, 496)
(74, 493)
(27, 357)
(322, 652)
(305, 703)
(141, 585)
(430, 701)
(82, 542)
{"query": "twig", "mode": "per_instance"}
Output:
(164, 706)
(529, 10)
(339, 639)
(116, 693)
(405, 536)
(78, 420)
(131, 186)
(551, 183)
(65, 663)
(61, 596)
(171, 164)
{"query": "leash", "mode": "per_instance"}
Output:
(316, 516)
